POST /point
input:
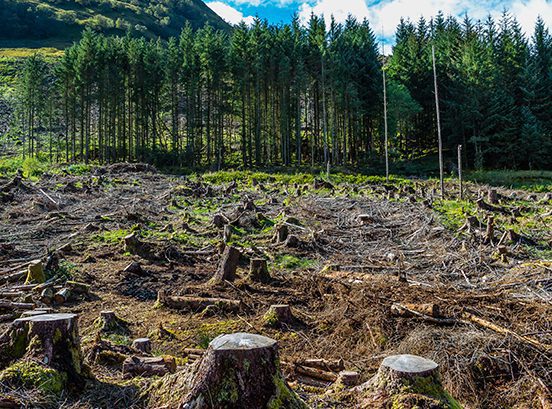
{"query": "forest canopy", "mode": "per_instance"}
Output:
(290, 94)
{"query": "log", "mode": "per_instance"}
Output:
(240, 371)
(11, 305)
(258, 270)
(13, 277)
(11, 294)
(62, 296)
(197, 304)
(332, 365)
(409, 310)
(228, 265)
(77, 287)
(148, 366)
(47, 296)
(315, 373)
(142, 344)
(502, 330)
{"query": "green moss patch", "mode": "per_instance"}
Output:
(32, 375)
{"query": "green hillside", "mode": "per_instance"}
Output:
(31, 23)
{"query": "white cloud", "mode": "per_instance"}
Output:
(228, 13)
(387, 13)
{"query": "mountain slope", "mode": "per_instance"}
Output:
(61, 21)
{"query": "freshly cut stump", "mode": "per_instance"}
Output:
(404, 378)
(52, 339)
(240, 371)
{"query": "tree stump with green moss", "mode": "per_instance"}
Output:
(278, 315)
(50, 339)
(240, 371)
(408, 380)
(35, 273)
(109, 322)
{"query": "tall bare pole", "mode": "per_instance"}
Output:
(438, 124)
(460, 172)
(385, 108)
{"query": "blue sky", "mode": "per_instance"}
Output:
(381, 13)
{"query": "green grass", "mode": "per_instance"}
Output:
(111, 236)
(453, 213)
(291, 262)
(47, 52)
(533, 180)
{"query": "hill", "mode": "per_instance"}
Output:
(60, 22)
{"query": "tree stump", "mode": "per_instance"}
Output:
(142, 344)
(277, 315)
(348, 378)
(281, 234)
(240, 371)
(35, 273)
(219, 220)
(109, 322)
(492, 196)
(51, 339)
(409, 378)
(258, 270)
(228, 265)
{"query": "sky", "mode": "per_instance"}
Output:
(383, 15)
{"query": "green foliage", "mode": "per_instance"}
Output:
(291, 262)
(536, 181)
(111, 236)
(30, 374)
(454, 212)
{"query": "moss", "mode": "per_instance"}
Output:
(270, 319)
(284, 397)
(32, 375)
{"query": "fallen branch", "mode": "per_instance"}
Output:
(501, 330)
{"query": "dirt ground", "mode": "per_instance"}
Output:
(361, 249)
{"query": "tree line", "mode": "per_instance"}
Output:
(293, 94)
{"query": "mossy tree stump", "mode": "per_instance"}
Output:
(240, 371)
(278, 315)
(109, 322)
(50, 339)
(407, 377)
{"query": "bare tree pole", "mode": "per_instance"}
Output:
(460, 171)
(385, 109)
(438, 124)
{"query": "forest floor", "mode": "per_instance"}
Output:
(362, 246)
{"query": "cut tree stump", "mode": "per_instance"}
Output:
(148, 366)
(278, 315)
(35, 273)
(47, 296)
(109, 322)
(219, 220)
(240, 371)
(228, 265)
(281, 234)
(492, 196)
(52, 339)
(349, 378)
(408, 378)
(197, 304)
(258, 270)
(142, 344)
